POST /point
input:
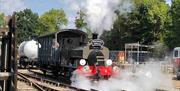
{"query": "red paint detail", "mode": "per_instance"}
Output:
(176, 62)
(115, 73)
(90, 72)
(104, 70)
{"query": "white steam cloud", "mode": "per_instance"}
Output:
(101, 13)
(9, 6)
(147, 77)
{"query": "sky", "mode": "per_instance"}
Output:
(41, 6)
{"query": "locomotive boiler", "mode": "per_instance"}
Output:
(68, 50)
(28, 52)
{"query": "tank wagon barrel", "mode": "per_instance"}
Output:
(29, 49)
(28, 52)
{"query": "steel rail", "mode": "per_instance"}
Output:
(31, 83)
(50, 82)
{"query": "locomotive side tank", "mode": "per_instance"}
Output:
(28, 52)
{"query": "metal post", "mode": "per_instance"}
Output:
(4, 58)
(138, 53)
(14, 51)
(125, 54)
(12, 25)
(8, 77)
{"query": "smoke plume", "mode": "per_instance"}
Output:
(100, 14)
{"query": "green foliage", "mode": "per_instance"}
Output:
(27, 25)
(53, 20)
(157, 16)
(151, 21)
(81, 23)
(147, 23)
(173, 39)
(160, 50)
(1, 19)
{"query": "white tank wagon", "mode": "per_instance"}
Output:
(28, 52)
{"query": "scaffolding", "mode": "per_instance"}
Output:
(136, 48)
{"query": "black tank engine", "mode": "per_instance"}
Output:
(67, 50)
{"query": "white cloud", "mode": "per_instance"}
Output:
(9, 6)
(169, 2)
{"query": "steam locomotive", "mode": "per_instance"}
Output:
(68, 50)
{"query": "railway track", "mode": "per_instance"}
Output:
(60, 78)
(53, 81)
(24, 79)
(42, 84)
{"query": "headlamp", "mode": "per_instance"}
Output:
(82, 62)
(109, 62)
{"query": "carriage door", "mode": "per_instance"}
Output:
(55, 51)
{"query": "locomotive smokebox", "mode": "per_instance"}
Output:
(94, 36)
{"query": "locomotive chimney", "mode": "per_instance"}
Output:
(94, 36)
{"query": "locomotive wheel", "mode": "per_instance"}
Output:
(55, 73)
(32, 64)
(25, 66)
(20, 64)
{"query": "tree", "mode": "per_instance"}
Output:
(145, 24)
(1, 19)
(173, 38)
(81, 23)
(157, 16)
(53, 20)
(119, 34)
(27, 25)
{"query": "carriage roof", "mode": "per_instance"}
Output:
(177, 48)
(69, 31)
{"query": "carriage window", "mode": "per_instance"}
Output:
(63, 42)
(69, 41)
(176, 53)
